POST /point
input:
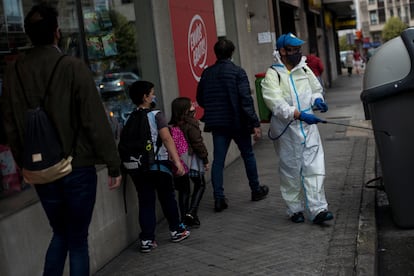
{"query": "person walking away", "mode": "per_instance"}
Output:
(349, 63)
(74, 106)
(290, 89)
(224, 93)
(357, 61)
(183, 116)
(158, 179)
(316, 65)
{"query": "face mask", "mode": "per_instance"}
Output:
(153, 102)
(294, 59)
(191, 113)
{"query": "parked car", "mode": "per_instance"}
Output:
(116, 82)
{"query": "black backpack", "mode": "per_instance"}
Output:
(43, 158)
(135, 146)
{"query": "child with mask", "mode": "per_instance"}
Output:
(158, 179)
(197, 161)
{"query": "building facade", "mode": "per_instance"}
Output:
(375, 13)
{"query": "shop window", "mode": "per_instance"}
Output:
(111, 49)
(13, 41)
(13, 15)
(108, 45)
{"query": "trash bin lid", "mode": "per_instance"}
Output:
(387, 72)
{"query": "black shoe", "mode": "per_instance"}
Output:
(261, 193)
(191, 221)
(220, 204)
(297, 217)
(323, 216)
(195, 222)
(188, 220)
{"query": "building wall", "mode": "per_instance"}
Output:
(26, 233)
(373, 29)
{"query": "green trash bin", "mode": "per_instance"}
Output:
(264, 112)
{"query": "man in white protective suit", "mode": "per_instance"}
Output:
(291, 91)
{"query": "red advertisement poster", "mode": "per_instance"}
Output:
(194, 33)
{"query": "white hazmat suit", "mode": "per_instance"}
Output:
(302, 165)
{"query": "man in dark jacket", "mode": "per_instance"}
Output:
(224, 93)
(75, 108)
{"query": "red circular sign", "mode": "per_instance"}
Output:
(197, 46)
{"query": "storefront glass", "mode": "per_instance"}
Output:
(102, 33)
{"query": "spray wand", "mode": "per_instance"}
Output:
(368, 128)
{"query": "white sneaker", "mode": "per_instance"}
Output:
(147, 245)
(179, 235)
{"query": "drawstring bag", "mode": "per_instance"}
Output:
(43, 157)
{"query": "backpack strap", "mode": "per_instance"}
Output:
(278, 77)
(124, 182)
(47, 86)
(273, 67)
(75, 139)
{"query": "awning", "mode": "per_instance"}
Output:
(343, 13)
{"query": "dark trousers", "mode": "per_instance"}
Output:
(182, 185)
(221, 143)
(197, 195)
(68, 203)
(148, 185)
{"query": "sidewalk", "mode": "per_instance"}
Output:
(257, 238)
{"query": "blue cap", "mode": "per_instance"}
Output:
(288, 40)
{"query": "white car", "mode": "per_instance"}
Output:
(117, 82)
(343, 55)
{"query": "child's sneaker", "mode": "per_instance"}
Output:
(179, 235)
(184, 226)
(147, 245)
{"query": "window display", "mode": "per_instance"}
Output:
(103, 37)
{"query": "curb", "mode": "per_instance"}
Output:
(366, 257)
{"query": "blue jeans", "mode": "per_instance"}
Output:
(221, 143)
(68, 203)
